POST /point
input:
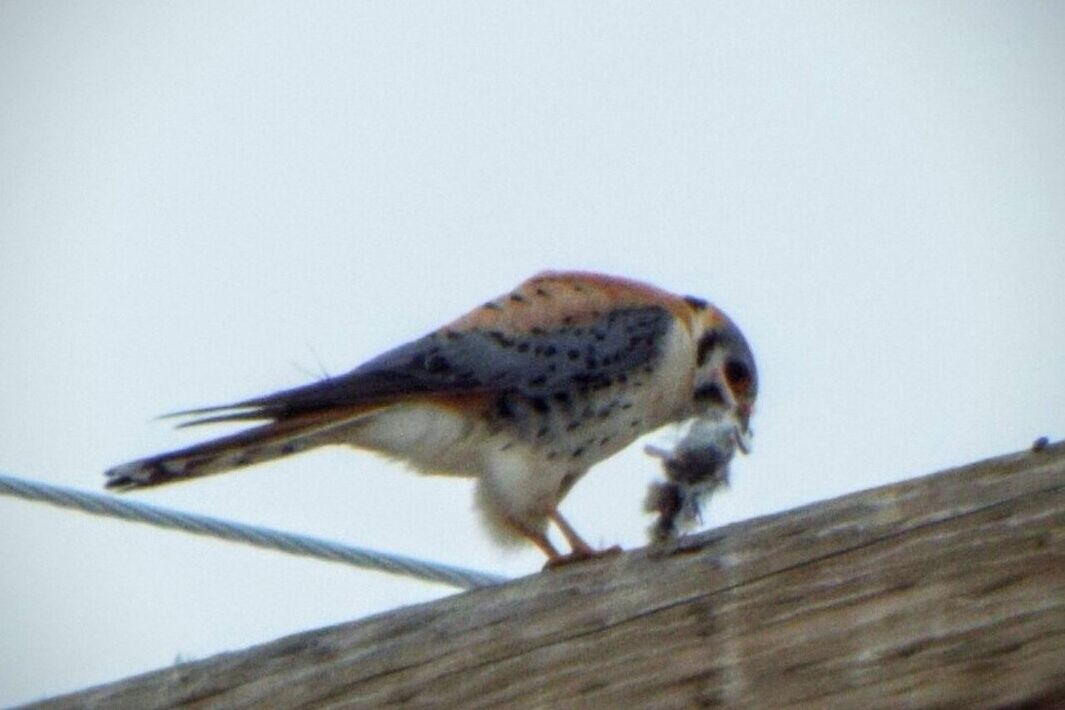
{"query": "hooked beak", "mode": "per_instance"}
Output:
(741, 415)
(742, 432)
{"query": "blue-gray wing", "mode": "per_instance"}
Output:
(532, 364)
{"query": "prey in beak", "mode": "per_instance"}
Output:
(695, 467)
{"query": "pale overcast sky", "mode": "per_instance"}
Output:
(204, 201)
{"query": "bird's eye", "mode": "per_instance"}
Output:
(738, 376)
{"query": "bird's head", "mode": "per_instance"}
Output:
(726, 379)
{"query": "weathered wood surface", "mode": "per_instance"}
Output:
(946, 590)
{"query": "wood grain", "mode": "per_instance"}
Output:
(946, 590)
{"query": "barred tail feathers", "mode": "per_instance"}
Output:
(251, 446)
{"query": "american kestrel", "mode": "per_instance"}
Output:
(524, 393)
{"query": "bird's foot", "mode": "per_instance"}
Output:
(582, 555)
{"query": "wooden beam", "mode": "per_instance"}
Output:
(946, 590)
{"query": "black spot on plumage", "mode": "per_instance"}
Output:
(578, 452)
(574, 425)
(523, 347)
(589, 380)
(288, 448)
(538, 331)
(438, 364)
(537, 381)
(540, 405)
(696, 303)
(542, 293)
(573, 354)
(517, 298)
(567, 482)
(195, 463)
(491, 306)
(550, 351)
(707, 343)
(543, 431)
(468, 378)
(709, 393)
(504, 410)
(562, 398)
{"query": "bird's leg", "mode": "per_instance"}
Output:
(581, 549)
(545, 545)
(539, 539)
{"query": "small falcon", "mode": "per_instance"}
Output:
(524, 393)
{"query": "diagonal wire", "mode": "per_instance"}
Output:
(294, 544)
